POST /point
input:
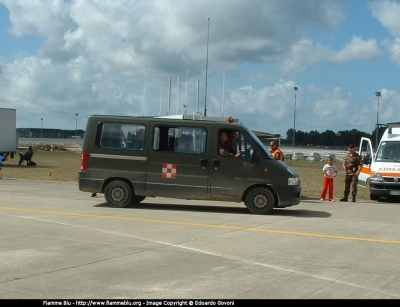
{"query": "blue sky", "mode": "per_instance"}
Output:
(58, 58)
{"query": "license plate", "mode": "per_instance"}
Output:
(394, 193)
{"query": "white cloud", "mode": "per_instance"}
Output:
(302, 54)
(358, 49)
(387, 12)
(94, 54)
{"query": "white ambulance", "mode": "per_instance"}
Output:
(381, 171)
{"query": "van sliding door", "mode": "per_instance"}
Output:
(178, 162)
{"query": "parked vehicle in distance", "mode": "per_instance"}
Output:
(130, 158)
(298, 156)
(314, 156)
(326, 156)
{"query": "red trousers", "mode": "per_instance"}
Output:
(327, 184)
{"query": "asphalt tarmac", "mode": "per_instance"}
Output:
(57, 242)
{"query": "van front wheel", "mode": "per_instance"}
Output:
(260, 201)
(118, 194)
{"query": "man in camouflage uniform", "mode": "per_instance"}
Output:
(352, 165)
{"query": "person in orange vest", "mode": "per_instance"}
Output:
(275, 151)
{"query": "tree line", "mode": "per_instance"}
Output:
(330, 138)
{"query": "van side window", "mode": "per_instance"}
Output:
(121, 136)
(227, 143)
(180, 139)
(232, 142)
(235, 142)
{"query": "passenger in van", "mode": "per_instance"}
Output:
(232, 142)
(139, 141)
(113, 137)
(129, 140)
(223, 146)
(186, 143)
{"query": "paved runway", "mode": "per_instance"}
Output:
(59, 243)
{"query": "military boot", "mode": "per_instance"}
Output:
(353, 198)
(344, 198)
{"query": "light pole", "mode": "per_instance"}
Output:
(377, 94)
(41, 127)
(205, 94)
(76, 124)
(294, 116)
(144, 91)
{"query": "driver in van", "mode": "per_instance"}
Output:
(232, 142)
(224, 149)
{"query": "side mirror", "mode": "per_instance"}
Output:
(254, 156)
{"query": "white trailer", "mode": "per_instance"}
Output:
(8, 132)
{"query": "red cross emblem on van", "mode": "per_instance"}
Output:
(169, 170)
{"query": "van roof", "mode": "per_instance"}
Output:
(198, 116)
(394, 124)
(195, 116)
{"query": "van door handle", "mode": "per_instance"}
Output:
(216, 163)
(203, 163)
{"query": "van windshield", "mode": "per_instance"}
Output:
(389, 151)
(262, 147)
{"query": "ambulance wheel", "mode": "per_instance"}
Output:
(260, 201)
(137, 199)
(118, 194)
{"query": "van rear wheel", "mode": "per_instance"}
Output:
(118, 194)
(260, 201)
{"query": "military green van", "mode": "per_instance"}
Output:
(131, 158)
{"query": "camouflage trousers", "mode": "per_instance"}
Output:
(350, 181)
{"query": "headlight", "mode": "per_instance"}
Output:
(294, 181)
(376, 176)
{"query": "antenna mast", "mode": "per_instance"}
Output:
(205, 95)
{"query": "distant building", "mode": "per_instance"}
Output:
(49, 133)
